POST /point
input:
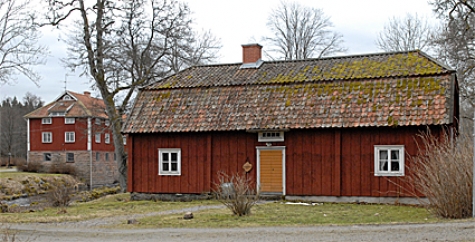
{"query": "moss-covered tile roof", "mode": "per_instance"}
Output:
(389, 89)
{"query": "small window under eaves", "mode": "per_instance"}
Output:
(271, 136)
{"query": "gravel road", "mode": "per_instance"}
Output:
(456, 231)
(90, 231)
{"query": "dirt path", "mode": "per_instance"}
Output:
(90, 231)
(458, 231)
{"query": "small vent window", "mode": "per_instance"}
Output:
(271, 136)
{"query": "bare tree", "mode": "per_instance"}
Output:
(408, 33)
(19, 48)
(124, 45)
(455, 45)
(301, 32)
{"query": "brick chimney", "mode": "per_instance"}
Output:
(251, 53)
(87, 93)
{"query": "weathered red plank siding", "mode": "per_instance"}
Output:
(327, 162)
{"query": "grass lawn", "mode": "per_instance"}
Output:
(269, 214)
(280, 214)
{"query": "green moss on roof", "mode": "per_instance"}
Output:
(396, 65)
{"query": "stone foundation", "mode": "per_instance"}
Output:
(103, 172)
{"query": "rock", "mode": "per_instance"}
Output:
(188, 215)
(132, 221)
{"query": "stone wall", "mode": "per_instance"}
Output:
(104, 172)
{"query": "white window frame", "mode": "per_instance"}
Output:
(97, 121)
(124, 139)
(57, 114)
(377, 160)
(69, 137)
(46, 137)
(67, 157)
(46, 121)
(107, 138)
(69, 120)
(107, 122)
(97, 138)
(168, 172)
(271, 136)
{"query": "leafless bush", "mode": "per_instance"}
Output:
(443, 173)
(60, 195)
(62, 168)
(32, 166)
(236, 192)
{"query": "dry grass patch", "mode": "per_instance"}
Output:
(109, 206)
(15, 184)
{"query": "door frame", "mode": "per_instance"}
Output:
(259, 148)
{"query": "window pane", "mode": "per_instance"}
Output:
(383, 160)
(395, 166)
(174, 167)
(165, 166)
(174, 157)
(165, 157)
(394, 154)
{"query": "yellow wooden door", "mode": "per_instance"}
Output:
(271, 171)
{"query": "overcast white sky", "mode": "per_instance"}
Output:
(236, 23)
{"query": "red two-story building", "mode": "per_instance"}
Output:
(73, 129)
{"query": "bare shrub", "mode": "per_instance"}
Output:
(62, 168)
(32, 166)
(60, 194)
(67, 169)
(443, 173)
(236, 192)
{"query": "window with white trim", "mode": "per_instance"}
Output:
(57, 113)
(46, 121)
(69, 157)
(124, 139)
(107, 138)
(67, 97)
(98, 121)
(69, 120)
(107, 122)
(271, 136)
(97, 137)
(169, 161)
(69, 137)
(47, 137)
(389, 160)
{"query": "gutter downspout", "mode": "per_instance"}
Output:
(89, 148)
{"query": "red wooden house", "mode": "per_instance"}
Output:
(328, 129)
(74, 130)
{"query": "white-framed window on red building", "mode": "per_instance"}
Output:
(69, 137)
(46, 137)
(97, 138)
(169, 162)
(46, 121)
(107, 138)
(69, 120)
(389, 160)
